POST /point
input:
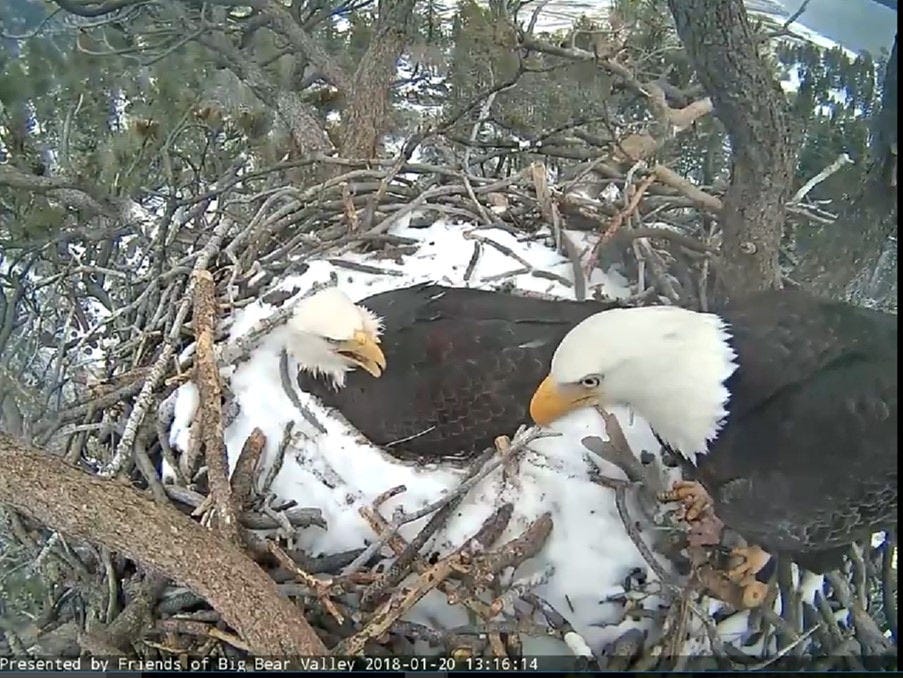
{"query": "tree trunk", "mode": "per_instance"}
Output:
(749, 102)
(366, 117)
(848, 259)
(115, 515)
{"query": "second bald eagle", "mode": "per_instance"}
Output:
(786, 405)
(455, 366)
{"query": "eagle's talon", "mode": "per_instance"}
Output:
(754, 593)
(696, 501)
(751, 560)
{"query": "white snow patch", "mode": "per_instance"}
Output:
(588, 552)
(185, 408)
(735, 628)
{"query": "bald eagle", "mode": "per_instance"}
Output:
(455, 366)
(783, 405)
(330, 336)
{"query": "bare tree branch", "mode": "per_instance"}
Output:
(121, 518)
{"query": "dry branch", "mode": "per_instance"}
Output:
(131, 623)
(399, 546)
(210, 407)
(671, 178)
(245, 472)
(575, 642)
(123, 519)
(616, 222)
(511, 554)
(400, 603)
(158, 370)
(678, 118)
(400, 568)
(320, 588)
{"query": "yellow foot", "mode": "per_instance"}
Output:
(754, 593)
(744, 595)
(745, 563)
(692, 495)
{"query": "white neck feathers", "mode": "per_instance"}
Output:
(320, 320)
(667, 364)
(690, 400)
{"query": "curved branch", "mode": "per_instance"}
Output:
(123, 519)
(282, 21)
(65, 191)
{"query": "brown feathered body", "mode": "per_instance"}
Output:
(807, 459)
(461, 365)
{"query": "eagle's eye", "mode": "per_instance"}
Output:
(592, 381)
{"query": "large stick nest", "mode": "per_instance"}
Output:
(133, 595)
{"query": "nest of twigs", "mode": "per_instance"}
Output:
(119, 598)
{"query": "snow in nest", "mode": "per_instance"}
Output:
(735, 628)
(339, 473)
(588, 552)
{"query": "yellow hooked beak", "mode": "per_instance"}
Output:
(550, 402)
(363, 350)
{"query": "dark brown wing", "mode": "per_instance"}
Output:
(461, 366)
(807, 460)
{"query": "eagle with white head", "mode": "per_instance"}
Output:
(461, 361)
(329, 335)
(666, 362)
(786, 404)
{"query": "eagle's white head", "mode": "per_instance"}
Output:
(330, 335)
(667, 364)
